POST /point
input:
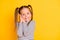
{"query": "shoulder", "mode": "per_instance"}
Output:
(32, 22)
(32, 25)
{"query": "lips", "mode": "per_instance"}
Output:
(26, 19)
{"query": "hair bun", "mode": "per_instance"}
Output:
(17, 10)
(30, 7)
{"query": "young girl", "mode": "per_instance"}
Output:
(25, 28)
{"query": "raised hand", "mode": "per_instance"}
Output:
(21, 19)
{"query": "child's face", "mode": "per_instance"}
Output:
(26, 14)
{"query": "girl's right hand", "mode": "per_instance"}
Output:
(21, 19)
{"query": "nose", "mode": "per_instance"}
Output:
(26, 16)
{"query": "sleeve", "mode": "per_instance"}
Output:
(19, 29)
(19, 32)
(30, 31)
(30, 34)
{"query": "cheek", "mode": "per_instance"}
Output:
(29, 16)
(23, 17)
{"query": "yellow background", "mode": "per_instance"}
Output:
(46, 16)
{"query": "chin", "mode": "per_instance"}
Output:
(26, 21)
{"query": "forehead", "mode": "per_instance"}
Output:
(24, 10)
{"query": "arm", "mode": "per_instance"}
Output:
(31, 28)
(19, 32)
(19, 29)
(29, 32)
